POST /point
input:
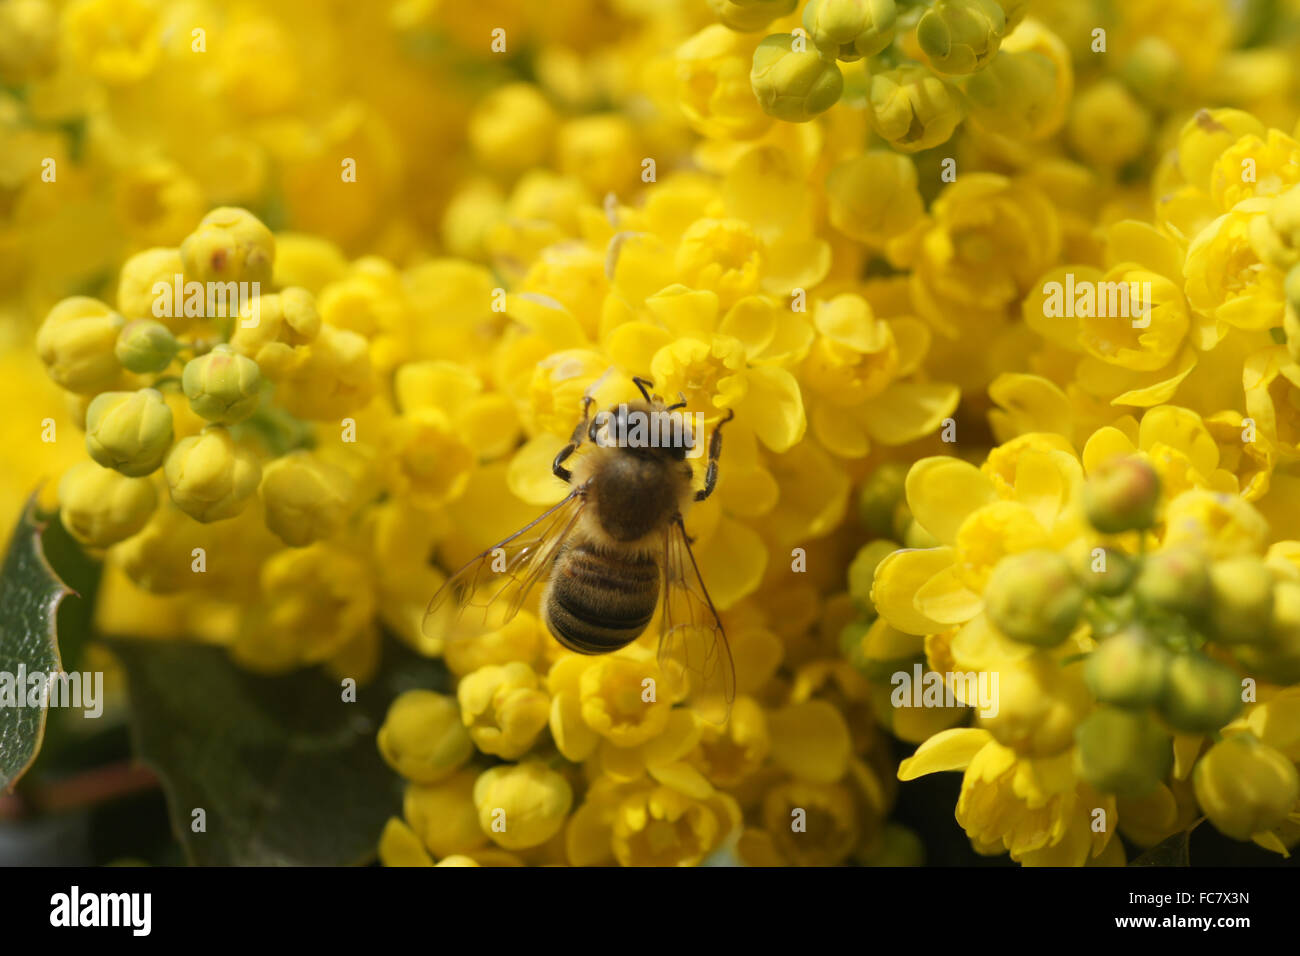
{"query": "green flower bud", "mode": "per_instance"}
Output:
(145, 346)
(1014, 11)
(852, 643)
(862, 570)
(1121, 495)
(794, 86)
(961, 36)
(210, 476)
(76, 343)
(1107, 574)
(879, 498)
(1034, 598)
(223, 386)
(1241, 608)
(1153, 71)
(229, 245)
(1122, 752)
(1128, 669)
(750, 16)
(129, 431)
(1245, 786)
(1278, 660)
(101, 507)
(1017, 95)
(423, 737)
(1200, 694)
(850, 29)
(912, 108)
(1175, 580)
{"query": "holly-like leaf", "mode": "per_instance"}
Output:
(1172, 851)
(285, 771)
(30, 594)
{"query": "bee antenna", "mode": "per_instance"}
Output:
(643, 384)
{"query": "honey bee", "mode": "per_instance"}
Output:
(615, 550)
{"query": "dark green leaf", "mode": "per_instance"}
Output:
(286, 771)
(1169, 852)
(30, 594)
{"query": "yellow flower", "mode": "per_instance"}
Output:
(306, 498)
(512, 128)
(1107, 126)
(1245, 786)
(1255, 167)
(427, 460)
(136, 297)
(116, 41)
(626, 701)
(1035, 808)
(713, 84)
(443, 814)
(522, 805)
(873, 197)
(423, 738)
(1226, 282)
(273, 330)
(503, 708)
(101, 507)
(210, 475)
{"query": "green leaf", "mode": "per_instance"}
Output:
(286, 772)
(1173, 851)
(30, 594)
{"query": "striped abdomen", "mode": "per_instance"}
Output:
(598, 601)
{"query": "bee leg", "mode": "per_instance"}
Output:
(557, 466)
(643, 384)
(715, 449)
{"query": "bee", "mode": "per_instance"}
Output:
(615, 550)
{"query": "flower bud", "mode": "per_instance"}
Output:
(101, 507)
(912, 108)
(1128, 669)
(76, 343)
(129, 431)
(223, 386)
(1241, 605)
(1122, 752)
(423, 738)
(1014, 11)
(306, 498)
(137, 279)
(229, 245)
(1107, 574)
(210, 476)
(1245, 786)
(961, 36)
(1121, 495)
(1175, 580)
(1039, 705)
(879, 498)
(862, 569)
(527, 802)
(512, 128)
(850, 29)
(1200, 694)
(793, 86)
(1033, 597)
(145, 346)
(749, 16)
(1278, 659)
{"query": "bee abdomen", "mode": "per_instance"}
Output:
(597, 602)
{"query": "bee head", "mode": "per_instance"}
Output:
(649, 429)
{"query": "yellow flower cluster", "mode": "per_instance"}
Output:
(325, 287)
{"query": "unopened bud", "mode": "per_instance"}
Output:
(145, 346)
(76, 342)
(129, 431)
(223, 386)
(1175, 580)
(1127, 669)
(210, 476)
(1122, 752)
(100, 506)
(1200, 694)
(1245, 786)
(961, 36)
(850, 29)
(1034, 598)
(1121, 495)
(793, 86)
(1241, 607)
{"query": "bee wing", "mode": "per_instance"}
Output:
(693, 644)
(490, 589)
